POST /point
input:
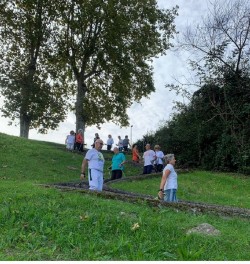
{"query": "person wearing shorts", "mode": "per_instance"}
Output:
(95, 162)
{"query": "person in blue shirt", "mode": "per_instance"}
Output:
(118, 161)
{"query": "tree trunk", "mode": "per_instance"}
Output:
(24, 126)
(80, 119)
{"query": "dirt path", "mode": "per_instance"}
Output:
(111, 193)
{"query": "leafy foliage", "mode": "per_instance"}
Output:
(105, 49)
(213, 129)
(32, 92)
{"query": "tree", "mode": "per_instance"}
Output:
(105, 49)
(222, 44)
(31, 90)
(213, 129)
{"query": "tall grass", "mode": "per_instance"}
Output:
(39, 223)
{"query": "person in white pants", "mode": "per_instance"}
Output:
(95, 161)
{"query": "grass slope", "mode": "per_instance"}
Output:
(47, 224)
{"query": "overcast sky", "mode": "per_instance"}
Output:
(148, 115)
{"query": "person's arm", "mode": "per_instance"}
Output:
(123, 160)
(137, 153)
(163, 181)
(84, 165)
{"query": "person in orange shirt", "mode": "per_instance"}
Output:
(79, 140)
(135, 154)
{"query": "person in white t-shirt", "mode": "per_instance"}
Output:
(70, 140)
(120, 143)
(110, 142)
(149, 158)
(158, 164)
(169, 185)
(95, 161)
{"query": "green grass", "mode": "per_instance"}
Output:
(200, 186)
(38, 223)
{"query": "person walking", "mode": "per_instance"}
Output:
(117, 167)
(169, 185)
(95, 162)
(149, 158)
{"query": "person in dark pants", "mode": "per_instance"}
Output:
(110, 142)
(149, 158)
(126, 143)
(117, 167)
(79, 140)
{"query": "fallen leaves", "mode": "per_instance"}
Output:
(135, 226)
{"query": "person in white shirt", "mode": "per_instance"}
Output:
(158, 163)
(70, 140)
(149, 158)
(110, 142)
(169, 185)
(120, 143)
(95, 161)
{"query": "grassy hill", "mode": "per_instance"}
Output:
(38, 223)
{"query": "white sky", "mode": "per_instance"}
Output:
(148, 115)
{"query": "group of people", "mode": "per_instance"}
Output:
(153, 159)
(75, 141)
(94, 161)
(122, 144)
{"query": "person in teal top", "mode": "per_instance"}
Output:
(117, 167)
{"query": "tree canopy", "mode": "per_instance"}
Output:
(213, 129)
(32, 93)
(98, 53)
(107, 47)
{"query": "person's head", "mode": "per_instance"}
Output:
(157, 147)
(170, 158)
(80, 131)
(96, 135)
(126, 136)
(119, 137)
(109, 136)
(98, 144)
(116, 150)
(72, 132)
(134, 146)
(147, 147)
